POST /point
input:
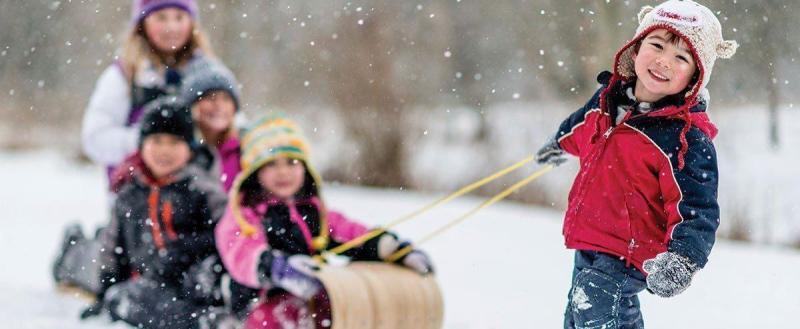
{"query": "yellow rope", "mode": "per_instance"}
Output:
(404, 251)
(378, 231)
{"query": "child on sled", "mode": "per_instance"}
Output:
(276, 219)
(212, 93)
(165, 40)
(161, 231)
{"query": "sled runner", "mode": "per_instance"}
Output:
(78, 292)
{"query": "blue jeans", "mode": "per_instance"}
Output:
(604, 293)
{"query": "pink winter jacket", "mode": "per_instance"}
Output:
(241, 254)
(229, 153)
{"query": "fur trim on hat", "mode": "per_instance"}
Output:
(700, 29)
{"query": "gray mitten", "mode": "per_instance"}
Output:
(551, 153)
(669, 274)
(419, 262)
(415, 260)
(203, 281)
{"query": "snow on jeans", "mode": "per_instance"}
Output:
(604, 293)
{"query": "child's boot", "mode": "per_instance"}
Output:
(73, 234)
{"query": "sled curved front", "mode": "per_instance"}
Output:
(380, 295)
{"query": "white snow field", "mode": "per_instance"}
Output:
(506, 267)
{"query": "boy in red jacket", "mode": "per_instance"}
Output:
(643, 208)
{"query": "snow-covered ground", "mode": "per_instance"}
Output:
(503, 268)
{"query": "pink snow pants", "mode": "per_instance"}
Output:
(285, 311)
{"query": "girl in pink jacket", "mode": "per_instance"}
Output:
(276, 220)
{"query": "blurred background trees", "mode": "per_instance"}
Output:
(373, 59)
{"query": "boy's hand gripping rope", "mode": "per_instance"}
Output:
(404, 251)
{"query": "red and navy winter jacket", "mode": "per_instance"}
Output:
(645, 185)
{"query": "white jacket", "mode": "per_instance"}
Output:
(105, 137)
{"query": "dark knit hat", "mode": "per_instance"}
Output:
(142, 8)
(168, 116)
(204, 77)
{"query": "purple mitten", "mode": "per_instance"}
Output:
(295, 274)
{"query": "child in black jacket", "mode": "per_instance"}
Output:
(162, 226)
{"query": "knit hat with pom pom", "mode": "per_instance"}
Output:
(694, 24)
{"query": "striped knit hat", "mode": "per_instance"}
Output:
(263, 141)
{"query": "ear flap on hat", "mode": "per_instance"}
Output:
(645, 10)
(727, 48)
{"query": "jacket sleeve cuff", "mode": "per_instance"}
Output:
(264, 268)
(698, 258)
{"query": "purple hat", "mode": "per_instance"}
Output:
(141, 8)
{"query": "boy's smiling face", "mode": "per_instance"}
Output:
(662, 67)
(165, 154)
(214, 112)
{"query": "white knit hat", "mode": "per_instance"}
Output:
(693, 23)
